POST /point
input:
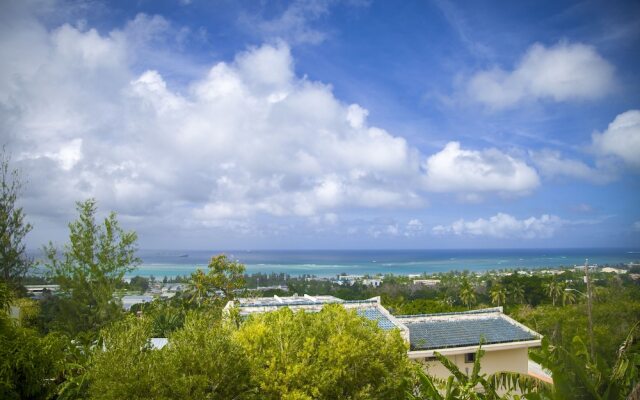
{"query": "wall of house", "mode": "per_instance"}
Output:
(513, 360)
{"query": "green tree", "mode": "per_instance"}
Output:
(517, 293)
(165, 318)
(577, 376)
(28, 363)
(554, 290)
(14, 262)
(91, 265)
(201, 362)
(221, 281)
(568, 297)
(467, 293)
(331, 354)
(498, 295)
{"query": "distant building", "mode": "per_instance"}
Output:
(372, 282)
(128, 301)
(427, 282)
(614, 270)
(37, 291)
(457, 336)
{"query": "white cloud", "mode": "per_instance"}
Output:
(621, 139)
(551, 164)
(414, 227)
(247, 138)
(636, 226)
(563, 72)
(454, 169)
(503, 225)
(298, 23)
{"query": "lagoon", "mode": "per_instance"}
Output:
(400, 262)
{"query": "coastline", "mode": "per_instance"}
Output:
(327, 263)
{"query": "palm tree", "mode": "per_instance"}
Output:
(568, 297)
(467, 294)
(577, 375)
(554, 290)
(199, 287)
(517, 292)
(498, 295)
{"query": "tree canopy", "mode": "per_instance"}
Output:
(14, 262)
(89, 268)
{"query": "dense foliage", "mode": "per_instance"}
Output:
(282, 355)
(14, 262)
(89, 269)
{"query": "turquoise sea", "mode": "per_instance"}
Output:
(359, 262)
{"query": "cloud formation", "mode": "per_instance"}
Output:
(248, 138)
(502, 226)
(552, 164)
(455, 169)
(295, 24)
(563, 72)
(621, 139)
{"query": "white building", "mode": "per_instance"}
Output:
(372, 282)
(128, 301)
(611, 270)
(456, 336)
(427, 282)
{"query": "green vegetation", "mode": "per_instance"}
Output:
(89, 270)
(220, 283)
(281, 355)
(14, 263)
(332, 354)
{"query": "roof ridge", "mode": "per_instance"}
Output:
(470, 312)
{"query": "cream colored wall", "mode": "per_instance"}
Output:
(514, 360)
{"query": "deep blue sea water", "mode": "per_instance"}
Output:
(359, 262)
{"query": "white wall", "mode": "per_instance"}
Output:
(513, 360)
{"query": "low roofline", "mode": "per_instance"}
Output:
(453, 313)
(414, 354)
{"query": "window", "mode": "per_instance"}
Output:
(469, 357)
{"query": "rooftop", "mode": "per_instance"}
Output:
(462, 329)
(374, 314)
(369, 309)
(424, 332)
(276, 301)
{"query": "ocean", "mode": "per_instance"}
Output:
(325, 263)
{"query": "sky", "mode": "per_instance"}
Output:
(327, 124)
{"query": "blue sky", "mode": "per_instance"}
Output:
(328, 124)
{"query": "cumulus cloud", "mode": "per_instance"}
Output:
(563, 72)
(249, 137)
(245, 139)
(503, 225)
(621, 139)
(455, 169)
(552, 164)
